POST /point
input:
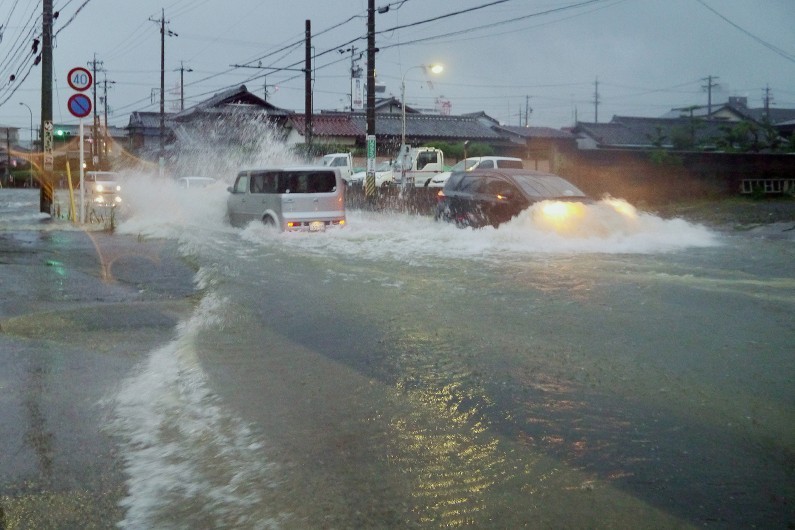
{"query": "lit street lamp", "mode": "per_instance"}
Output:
(30, 154)
(434, 68)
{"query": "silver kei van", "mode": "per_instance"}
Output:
(306, 198)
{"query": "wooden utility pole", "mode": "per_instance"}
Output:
(708, 87)
(163, 33)
(182, 71)
(596, 101)
(369, 181)
(46, 191)
(95, 150)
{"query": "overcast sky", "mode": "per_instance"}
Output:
(647, 55)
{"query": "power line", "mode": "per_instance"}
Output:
(761, 41)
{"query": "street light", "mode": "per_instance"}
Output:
(434, 68)
(30, 154)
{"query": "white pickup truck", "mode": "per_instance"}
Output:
(422, 163)
(341, 161)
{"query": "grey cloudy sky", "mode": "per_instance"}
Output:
(648, 55)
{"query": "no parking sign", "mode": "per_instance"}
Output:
(79, 105)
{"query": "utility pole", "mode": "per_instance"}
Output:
(527, 111)
(768, 100)
(708, 87)
(355, 72)
(308, 87)
(182, 71)
(46, 191)
(105, 101)
(369, 187)
(163, 22)
(596, 101)
(95, 151)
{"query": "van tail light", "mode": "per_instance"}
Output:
(440, 196)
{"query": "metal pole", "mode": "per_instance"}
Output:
(82, 173)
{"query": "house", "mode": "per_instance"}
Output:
(143, 132)
(626, 132)
(542, 144)
(350, 129)
(202, 122)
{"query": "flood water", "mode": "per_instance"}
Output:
(401, 373)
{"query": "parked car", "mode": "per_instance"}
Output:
(102, 188)
(384, 176)
(494, 196)
(302, 198)
(476, 162)
(195, 182)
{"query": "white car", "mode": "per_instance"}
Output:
(102, 188)
(477, 162)
(195, 182)
(384, 175)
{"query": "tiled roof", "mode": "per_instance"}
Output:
(146, 119)
(417, 126)
(625, 131)
(327, 125)
(238, 98)
(538, 132)
(432, 127)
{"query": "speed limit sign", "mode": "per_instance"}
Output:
(80, 79)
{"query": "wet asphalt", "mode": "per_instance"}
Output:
(78, 312)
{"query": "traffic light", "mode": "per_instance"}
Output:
(62, 134)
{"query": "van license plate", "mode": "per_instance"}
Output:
(317, 226)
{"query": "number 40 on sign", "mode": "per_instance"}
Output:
(80, 79)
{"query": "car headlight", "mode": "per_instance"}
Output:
(99, 200)
(100, 188)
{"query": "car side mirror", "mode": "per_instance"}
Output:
(230, 189)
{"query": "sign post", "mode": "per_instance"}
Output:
(369, 180)
(80, 106)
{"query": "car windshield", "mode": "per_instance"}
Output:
(466, 164)
(548, 186)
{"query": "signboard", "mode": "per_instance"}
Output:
(357, 91)
(80, 79)
(79, 105)
(47, 139)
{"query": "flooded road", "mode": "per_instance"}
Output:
(401, 373)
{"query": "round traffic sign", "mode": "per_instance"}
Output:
(79, 105)
(80, 79)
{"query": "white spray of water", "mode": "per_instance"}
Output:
(182, 448)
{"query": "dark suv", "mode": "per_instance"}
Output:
(493, 196)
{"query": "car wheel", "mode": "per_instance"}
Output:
(268, 222)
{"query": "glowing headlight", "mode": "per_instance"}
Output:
(117, 199)
(622, 207)
(556, 210)
(100, 188)
(99, 200)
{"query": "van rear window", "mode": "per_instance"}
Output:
(293, 182)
